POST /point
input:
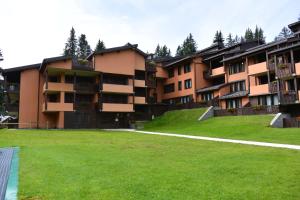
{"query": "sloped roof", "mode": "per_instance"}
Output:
(22, 68)
(234, 95)
(211, 88)
(120, 48)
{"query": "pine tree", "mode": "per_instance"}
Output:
(71, 45)
(188, 47)
(179, 51)
(230, 40)
(249, 35)
(100, 45)
(259, 34)
(256, 33)
(285, 33)
(84, 48)
(219, 38)
(157, 51)
(163, 51)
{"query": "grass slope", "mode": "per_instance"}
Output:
(113, 165)
(252, 127)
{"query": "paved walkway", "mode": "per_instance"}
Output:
(263, 144)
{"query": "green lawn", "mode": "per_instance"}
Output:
(252, 127)
(115, 165)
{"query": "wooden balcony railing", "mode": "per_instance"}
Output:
(271, 66)
(284, 70)
(84, 106)
(273, 87)
(82, 65)
(288, 97)
(85, 87)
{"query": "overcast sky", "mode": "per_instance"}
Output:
(35, 29)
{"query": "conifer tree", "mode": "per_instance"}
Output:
(188, 47)
(71, 44)
(249, 35)
(219, 38)
(230, 40)
(285, 33)
(100, 45)
(83, 49)
(163, 51)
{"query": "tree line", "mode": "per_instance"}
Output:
(80, 47)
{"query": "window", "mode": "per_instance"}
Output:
(238, 86)
(179, 70)
(268, 100)
(187, 68)
(207, 96)
(236, 68)
(169, 88)
(262, 80)
(186, 99)
(179, 85)
(234, 103)
(171, 73)
(187, 84)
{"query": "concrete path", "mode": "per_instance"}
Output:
(263, 144)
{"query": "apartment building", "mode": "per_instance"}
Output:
(116, 86)
(103, 91)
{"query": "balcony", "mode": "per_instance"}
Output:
(258, 68)
(117, 107)
(297, 67)
(82, 65)
(139, 83)
(57, 106)
(150, 66)
(84, 106)
(85, 88)
(273, 87)
(284, 71)
(139, 100)
(218, 71)
(288, 97)
(64, 87)
(271, 66)
(259, 89)
(113, 88)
